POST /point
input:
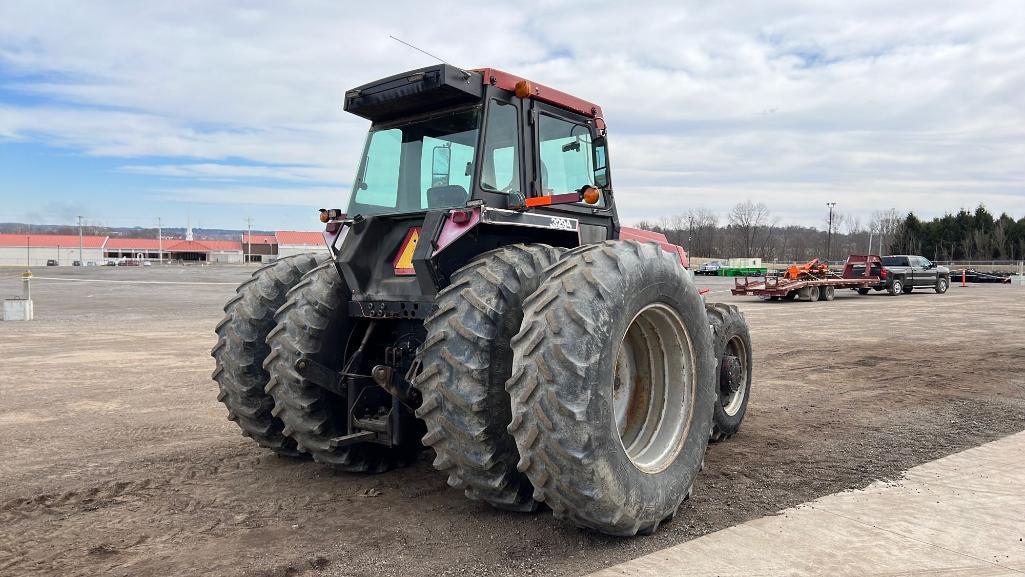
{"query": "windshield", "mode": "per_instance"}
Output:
(417, 166)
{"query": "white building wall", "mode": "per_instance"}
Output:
(291, 249)
(37, 256)
(227, 256)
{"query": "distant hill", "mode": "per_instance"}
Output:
(123, 231)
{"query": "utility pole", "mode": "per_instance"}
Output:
(160, 242)
(81, 261)
(829, 234)
(249, 244)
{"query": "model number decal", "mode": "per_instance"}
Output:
(517, 218)
(563, 223)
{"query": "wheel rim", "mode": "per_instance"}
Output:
(653, 388)
(733, 376)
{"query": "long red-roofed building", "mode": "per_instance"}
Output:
(38, 249)
(43, 249)
(295, 242)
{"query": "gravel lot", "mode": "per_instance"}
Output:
(118, 460)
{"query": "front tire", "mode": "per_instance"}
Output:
(241, 349)
(613, 387)
(942, 284)
(731, 341)
(467, 359)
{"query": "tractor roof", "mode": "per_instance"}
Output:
(444, 85)
(507, 81)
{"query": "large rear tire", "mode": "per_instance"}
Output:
(467, 360)
(731, 340)
(241, 349)
(314, 322)
(613, 387)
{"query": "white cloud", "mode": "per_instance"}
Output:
(915, 105)
(311, 197)
(235, 172)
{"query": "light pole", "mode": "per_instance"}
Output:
(829, 234)
(249, 244)
(81, 261)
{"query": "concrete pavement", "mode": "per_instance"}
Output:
(962, 515)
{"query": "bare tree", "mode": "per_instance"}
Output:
(886, 224)
(702, 231)
(746, 219)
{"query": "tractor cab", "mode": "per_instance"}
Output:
(441, 137)
(458, 162)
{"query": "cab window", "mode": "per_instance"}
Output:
(566, 155)
(500, 171)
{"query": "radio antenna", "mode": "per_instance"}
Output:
(439, 59)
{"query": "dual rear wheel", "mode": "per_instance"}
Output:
(588, 383)
(613, 387)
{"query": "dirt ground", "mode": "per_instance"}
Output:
(117, 460)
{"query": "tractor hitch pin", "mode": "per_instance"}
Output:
(384, 376)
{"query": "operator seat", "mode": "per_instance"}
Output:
(447, 196)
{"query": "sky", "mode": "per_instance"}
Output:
(212, 113)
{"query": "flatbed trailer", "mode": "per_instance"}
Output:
(812, 282)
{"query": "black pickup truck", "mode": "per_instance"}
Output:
(903, 273)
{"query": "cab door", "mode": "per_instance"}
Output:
(925, 272)
(915, 271)
(565, 160)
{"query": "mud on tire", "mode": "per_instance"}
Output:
(467, 359)
(731, 341)
(583, 333)
(241, 349)
(314, 322)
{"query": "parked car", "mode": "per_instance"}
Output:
(76, 263)
(109, 263)
(51, 262)
(903, 273)
(710, 268)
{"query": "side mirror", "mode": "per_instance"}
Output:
(441, 165)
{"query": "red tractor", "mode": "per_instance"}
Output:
(480, 297)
